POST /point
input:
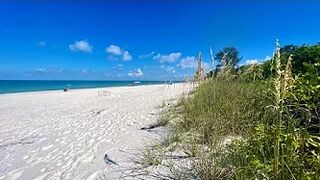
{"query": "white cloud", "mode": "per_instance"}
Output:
(126, 56)
(252, 61)
(117, 52)
(114, 50)
(50, 70)
(167, 57)
(206, 67)
(267, 58)
(147, 55)
(118, 67)
(136, 73)
(168, 69)
(82, 46)
(85, 71)
(188, 62)
(41, 70)
(255, 61)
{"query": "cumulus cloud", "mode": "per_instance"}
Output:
(256, 61)
(136, 73)
(267, 58)
(82, 46)
(116, 52)
(188, 62)
(167, 57)
(168, 69)
(252, 61)
(126, 56)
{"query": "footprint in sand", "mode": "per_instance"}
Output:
(66, 132)
(96, 175)
(63, 142)
(26, 157)
(44, 148)
(91, 142)
(35, 150)
(89, 159)
(42, 139)
(16, 174)
(43, 169)
(40, 177)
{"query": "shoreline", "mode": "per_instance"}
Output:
(86, 88)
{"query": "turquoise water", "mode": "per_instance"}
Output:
(13, 86)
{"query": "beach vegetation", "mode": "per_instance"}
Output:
(151, 158)
(259, 121)
(229, 56)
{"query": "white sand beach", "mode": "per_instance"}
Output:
(66, 135)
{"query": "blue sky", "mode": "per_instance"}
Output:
(147, 40)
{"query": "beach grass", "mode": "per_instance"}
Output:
(231, 128)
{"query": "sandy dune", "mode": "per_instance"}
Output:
(57, 135)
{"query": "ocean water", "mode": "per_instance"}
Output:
(13, 86)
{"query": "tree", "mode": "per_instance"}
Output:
(229, 56)
(305, 55)
(300, 55)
